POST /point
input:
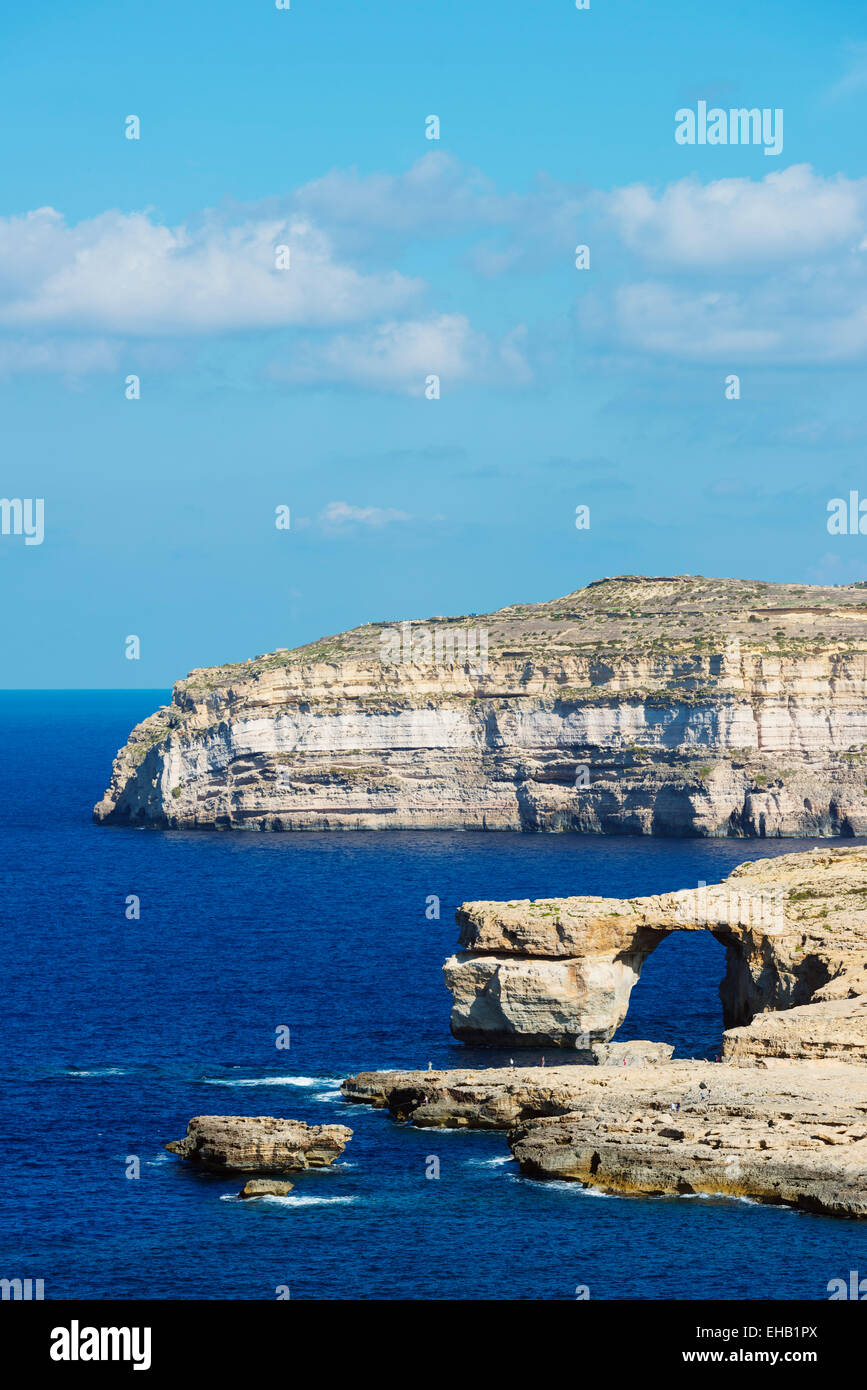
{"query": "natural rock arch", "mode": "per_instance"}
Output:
(559, 972)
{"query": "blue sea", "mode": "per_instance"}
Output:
(117, 1031)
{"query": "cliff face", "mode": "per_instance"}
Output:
(559, 972)
(651, 706)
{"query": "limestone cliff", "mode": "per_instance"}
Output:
(559, 971)
(652, 706)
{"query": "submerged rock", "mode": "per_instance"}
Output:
(674, 705)
(259, 1144)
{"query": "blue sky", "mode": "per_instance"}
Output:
(305, 387)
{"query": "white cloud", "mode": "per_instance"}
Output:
(854, 78)
(339, 514)
(128, 274)
(436, 193)
(401, 355)
(656, 318)
(743, 224)
(769, 269)
(833, 568)
(439, 196)
(66, 356)
(822, 322)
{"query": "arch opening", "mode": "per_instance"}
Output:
(677, 997)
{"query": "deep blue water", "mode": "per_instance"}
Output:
(117, 1031)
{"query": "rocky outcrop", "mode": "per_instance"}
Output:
(259, 1144)
(678, 706)
(265, 1187)
(631, 1054)
(489, 1098)
(559, 972)
(802, 1145)
(833, 1028)
(794, 1134)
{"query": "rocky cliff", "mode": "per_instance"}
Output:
(653, 706)
(559, 971)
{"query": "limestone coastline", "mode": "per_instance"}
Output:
(781, 1117)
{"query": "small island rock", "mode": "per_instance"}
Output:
(259, 1144)
(265, 1187)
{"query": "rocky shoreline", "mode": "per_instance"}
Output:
(781, 1117)
(794, 1134)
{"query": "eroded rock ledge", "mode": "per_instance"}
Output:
(672, 706)
(558, 972)
(795, 1133)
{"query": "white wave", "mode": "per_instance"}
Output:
(723, 1197)
(563, 1185)
(437, 1129)
(308, 1081)
(491, 1162)
(288, 1200)
(329, 1096)
(96, 1071)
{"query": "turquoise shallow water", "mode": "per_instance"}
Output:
(116, 1032)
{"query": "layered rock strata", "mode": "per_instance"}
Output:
(558, 972)
(259, 1144)
(794, 1134)
(673, 706)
